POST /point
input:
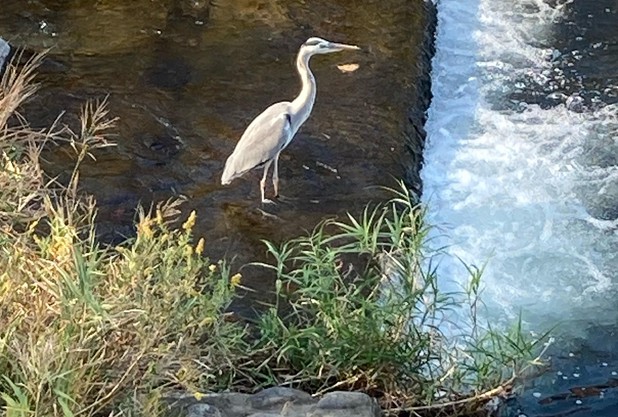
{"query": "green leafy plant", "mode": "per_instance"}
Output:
(359, 306)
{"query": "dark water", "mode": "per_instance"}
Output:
(186, 77)
(582, 379)
(587, 39)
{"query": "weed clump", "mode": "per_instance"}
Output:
(87, 329)
(359, 307)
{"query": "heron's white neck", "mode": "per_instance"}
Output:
(302, 105)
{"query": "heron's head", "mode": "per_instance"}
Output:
(322, 46)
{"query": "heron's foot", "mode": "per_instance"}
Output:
(285, 199)
(267, 201)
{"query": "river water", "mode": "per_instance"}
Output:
(521, 178)
(186, 77)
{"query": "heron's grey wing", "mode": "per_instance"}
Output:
(264, 138)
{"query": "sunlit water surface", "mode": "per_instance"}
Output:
(186, 77)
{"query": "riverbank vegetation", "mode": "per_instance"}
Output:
(93, 330)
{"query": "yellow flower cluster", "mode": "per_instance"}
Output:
(199, 249)
(144, 229)
(235, 280)
(159, 217)
(188, 225)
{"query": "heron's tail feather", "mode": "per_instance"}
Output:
(235, 166)
(226, 178)
(229, 173)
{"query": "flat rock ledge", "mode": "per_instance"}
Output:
(273, 402)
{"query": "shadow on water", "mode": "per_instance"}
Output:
(186, 77)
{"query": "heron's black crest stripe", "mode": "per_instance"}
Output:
(312, 42)
(288, 118)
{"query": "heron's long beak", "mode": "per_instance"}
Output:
(343, 46)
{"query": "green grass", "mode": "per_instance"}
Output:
(93, 330)
(359, 307)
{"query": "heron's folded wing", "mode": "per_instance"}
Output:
(264, 138)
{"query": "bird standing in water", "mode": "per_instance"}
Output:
(269, 133)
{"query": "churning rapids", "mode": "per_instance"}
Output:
(521, 172)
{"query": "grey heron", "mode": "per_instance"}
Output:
(270, 132)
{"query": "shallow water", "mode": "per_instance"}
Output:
(521, 179)
(186, 78)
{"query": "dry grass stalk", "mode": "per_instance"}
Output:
(17, 86)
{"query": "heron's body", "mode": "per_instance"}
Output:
(270, 132)
(266, 136)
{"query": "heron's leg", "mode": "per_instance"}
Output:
(276, 182)
(276, 176)
(263, 181)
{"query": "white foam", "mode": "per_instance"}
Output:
(519, 187)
